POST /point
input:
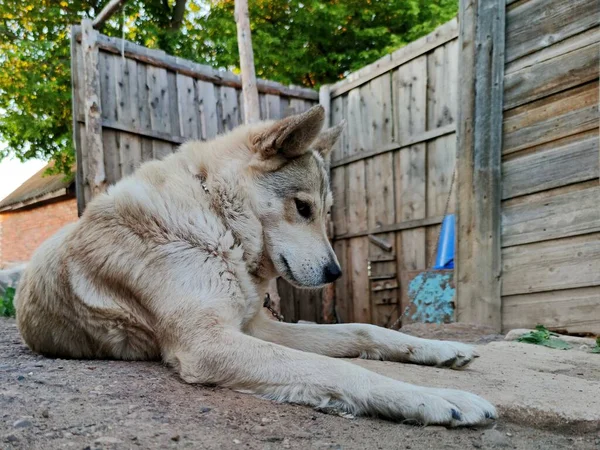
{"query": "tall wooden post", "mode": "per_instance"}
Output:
(250, 93)
(480, 93)
(96, 175)
(249, 89)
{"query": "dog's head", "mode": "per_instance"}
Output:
(292, 196)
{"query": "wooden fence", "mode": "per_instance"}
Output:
(550, 166)
(520, 121)
(391, 172)
(515, 111)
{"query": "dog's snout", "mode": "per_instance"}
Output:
(332, 272)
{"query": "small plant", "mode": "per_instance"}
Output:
(596, 348)
(542, 336)
(7, 306)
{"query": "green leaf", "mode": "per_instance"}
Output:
(542, 336)
(557, 343)
(7, 307)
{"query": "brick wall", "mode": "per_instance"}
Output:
(22, 231)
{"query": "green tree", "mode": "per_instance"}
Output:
(295, 42)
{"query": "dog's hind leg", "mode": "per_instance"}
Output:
(361, 340)
(227, 357)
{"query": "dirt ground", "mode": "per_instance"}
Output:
(50, 403)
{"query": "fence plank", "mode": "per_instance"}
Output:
(380, 191)
(337, 115)
(210, 125)
(159, 104)
(77, 111)
(130, 149)
(551, 76)
(441, 86)
(343, 286)
(411, 184)
(575, 310)
(551, 118)
(187, 101)
(173, 100)
(568, 45)
(558, 163)
(94, 157)
(441, 156)
(410, 99)
(143, 102)
(356, 199)
(551, 265)
(533, 24)
(340, 208)
(479, 150)
(273, 104)
(358, 129)
(108, 87)
(231, 113)
(358, 253)
(551, 215)
(127, 92)
(112, 155)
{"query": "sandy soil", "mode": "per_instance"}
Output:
(48, 404)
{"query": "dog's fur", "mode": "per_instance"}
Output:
(173, 262)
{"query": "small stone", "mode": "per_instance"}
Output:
(22, 423)
(237, 441)
(45, 413)
(20, 378)
(11, 438)
(205, 409)
(175, 438)
(509, 434)
(495, 439)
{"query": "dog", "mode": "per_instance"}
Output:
(173, 263)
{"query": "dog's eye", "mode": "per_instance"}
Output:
(303, 208)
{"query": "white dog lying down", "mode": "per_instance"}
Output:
(173, 262)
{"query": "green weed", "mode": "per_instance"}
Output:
(596, 348)
(542, 336)
(7, 306)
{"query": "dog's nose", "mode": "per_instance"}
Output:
(332, 272)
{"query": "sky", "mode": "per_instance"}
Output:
(13, 173)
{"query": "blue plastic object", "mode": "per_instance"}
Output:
(445, 251)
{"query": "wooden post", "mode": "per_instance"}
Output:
(250, 95)
(249, 89)
(328, 297)
(479, 148)
(96, 176)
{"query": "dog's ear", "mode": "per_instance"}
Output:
(327, 139)
(289, 137)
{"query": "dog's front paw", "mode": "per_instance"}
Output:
(454, 355)
(447, 407)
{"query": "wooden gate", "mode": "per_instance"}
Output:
(391, 172)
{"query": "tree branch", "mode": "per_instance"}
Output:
(178, 14)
